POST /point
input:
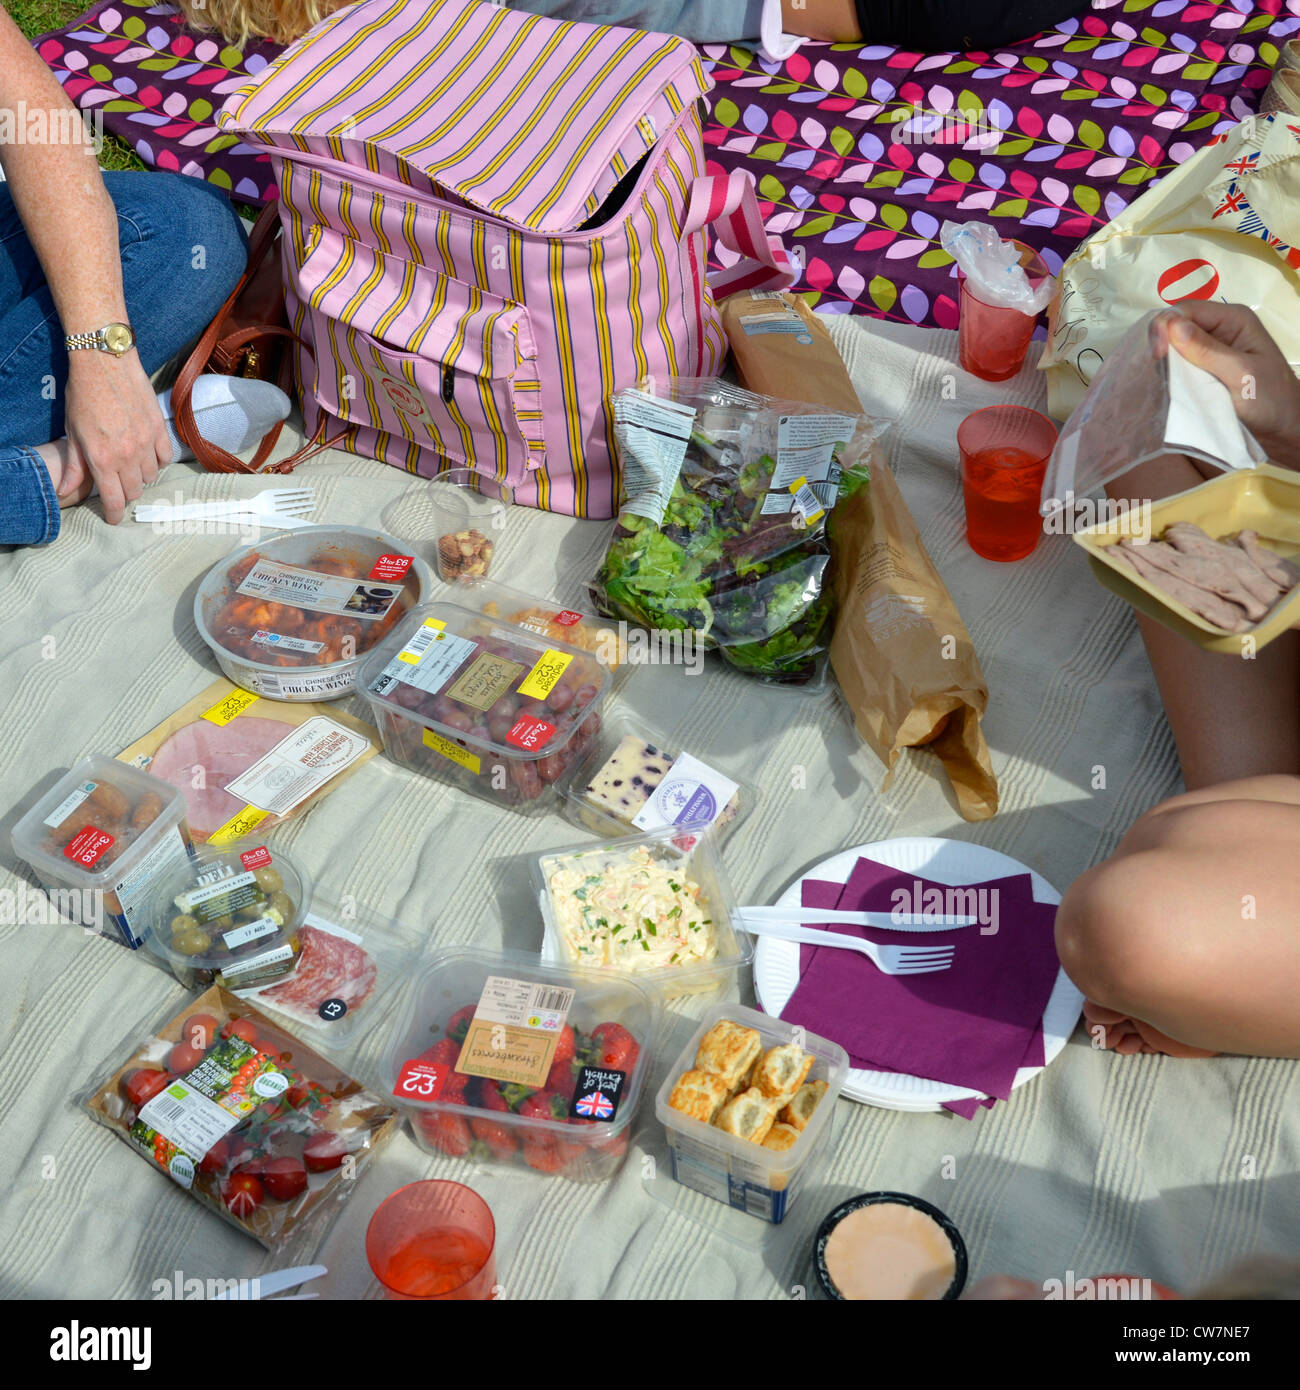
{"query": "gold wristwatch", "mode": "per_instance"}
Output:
(116, 338)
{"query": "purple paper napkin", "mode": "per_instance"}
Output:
(1035, 1056)
(973, 1025)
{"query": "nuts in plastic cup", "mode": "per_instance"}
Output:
(434, 1240)
(468, 513)
(992, 339)
(1004, 453)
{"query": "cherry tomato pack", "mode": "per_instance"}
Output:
(253, 1124)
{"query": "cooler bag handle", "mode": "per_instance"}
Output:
(730, 204)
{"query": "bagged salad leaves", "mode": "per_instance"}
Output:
(722, 528)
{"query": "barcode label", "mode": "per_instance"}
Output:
(524, 1004)
(826, 493)
(165, 1110)
(187, 1119)
(807, 501)
(420, 642)
(429, 661)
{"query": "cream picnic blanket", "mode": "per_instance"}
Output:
(1168, 1169)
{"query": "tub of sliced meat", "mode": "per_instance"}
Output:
(1220, 563)
(243, 763)
(354, 963)
(293, 617)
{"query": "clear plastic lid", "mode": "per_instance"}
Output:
(354, 961)
(506, 1023)
(549, 618)
(829, 1067)
(96, 822)
(231, 916)
(655, 907)
(312, 597)
(485, 683)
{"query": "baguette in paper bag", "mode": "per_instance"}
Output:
(900, 651)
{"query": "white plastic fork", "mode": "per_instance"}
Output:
(889, 960)
(273, 504)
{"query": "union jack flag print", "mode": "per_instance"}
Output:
(1235, 201)
(595, 1106)
(1244, 164)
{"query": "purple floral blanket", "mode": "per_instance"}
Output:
(859, 152)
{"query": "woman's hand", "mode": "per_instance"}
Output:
(1230, 343)
(115, 427)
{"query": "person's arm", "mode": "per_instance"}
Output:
(112, 415)
(833, 20)
(1230, 343)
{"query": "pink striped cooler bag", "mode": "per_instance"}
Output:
(493, 221)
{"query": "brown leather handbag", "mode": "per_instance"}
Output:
(249, 337)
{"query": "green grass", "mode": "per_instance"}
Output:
(35, 17)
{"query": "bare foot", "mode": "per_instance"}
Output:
(71, 478)
(1129, 1036)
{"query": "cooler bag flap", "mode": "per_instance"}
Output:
(531, 120)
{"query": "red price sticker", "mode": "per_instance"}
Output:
(257, 858)
(390, 567)
(530, 733)
(567, 618)
(421, 1080)
(87, 845)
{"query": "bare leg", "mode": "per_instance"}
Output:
(1186, 941)
(1230, 717)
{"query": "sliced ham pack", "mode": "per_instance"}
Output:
(245, 763)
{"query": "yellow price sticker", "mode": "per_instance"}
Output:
(239, 825)
(807, 501)
(421, 641)
(231, 707)
(451, 750)
(541, 680)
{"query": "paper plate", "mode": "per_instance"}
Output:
(953, 862)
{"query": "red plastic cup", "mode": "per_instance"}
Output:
(434, 1241)
(1004, 453)
(991, 339)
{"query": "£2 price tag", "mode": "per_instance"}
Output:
(421, 1080)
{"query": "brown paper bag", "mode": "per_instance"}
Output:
(900, 651)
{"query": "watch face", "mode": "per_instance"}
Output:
(118, 338)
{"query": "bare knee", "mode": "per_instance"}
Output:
(1106, 933)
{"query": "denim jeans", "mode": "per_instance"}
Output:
(701, 21)
(183, 249)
